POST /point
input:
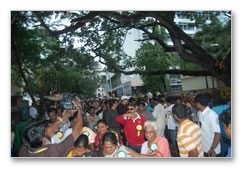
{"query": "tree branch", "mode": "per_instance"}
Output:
(186, 56)
(85, 18)
(114, 69)
(123, 18)
(142, 40)
(15, 54)
(80, 22)
(163, 72)
(44, 25)
(161, 42)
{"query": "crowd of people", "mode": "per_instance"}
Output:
(161, 126)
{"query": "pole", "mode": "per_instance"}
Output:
(206, 80)
(110, 84)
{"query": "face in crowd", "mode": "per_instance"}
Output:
(92, 110)
(150, 133)
(52, 116)
(96, 105)
(125, 101)
(115, 105)
(131, 109)
(102, 128)
(109, 143)
(109, 147)
(141, 108)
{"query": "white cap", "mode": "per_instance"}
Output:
(125, 97)
(150, 95)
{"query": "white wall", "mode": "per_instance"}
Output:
(199, 82)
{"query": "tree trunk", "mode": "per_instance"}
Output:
(22, 74)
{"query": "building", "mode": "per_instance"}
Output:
(120, 84)
(197, 82)
(175, 85)
(204, 84)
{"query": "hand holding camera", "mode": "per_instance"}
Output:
(67, 101)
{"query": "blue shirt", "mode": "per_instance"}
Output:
(229, 152)
(149, 108)
(219, 110)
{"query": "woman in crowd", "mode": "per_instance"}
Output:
(111, 147)
(81, 148)
(102, 128)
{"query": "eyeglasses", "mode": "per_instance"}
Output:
(131, 109)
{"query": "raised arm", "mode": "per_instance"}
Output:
(53, 127)
(78, 123)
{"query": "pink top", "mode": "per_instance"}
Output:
(162, 149)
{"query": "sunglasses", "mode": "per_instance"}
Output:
(131, 109)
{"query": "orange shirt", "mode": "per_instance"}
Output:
(189, 138)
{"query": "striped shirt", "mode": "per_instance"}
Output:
(189, 138)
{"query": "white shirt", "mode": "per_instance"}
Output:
(172, 123)
(144, 148)
(209, 126)
(100, 115)
(33, 112)
(159, 115)
(64, 129)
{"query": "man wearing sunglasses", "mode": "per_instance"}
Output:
(133, 127)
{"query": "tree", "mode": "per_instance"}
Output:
(44, 65)
(102, 33)
(151, 57)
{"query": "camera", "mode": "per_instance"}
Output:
(66, 101)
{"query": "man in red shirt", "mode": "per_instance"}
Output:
(133, 127)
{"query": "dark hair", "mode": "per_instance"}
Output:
(178, 98)
(170, 99)
(181, 110)
(111, 137)
(224, 100)
(132, 99)
(225, 117)
(82, 141)
(131, 104)
(142, 103)
(101, 121)
(209, 95)
(203, 99)
(51, 109)
(91, 107)
(111, 102)
(155, 99)
(106, 102)
(33, 134)
(161, 99)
